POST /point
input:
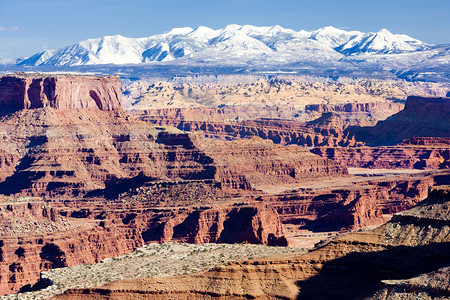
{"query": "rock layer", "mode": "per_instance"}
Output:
(422, 117)
(351, 267)
(325, 131)
(428, 156)
(248, 163)
(51, 152)
(59, 92)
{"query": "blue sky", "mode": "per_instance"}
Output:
(30, 26)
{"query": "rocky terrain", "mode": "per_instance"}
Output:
(82, 180)
(404, 259)
(231, 98)
(422, 117)
(60, 92)
(40, 235)
(159, 260)
(406, 156)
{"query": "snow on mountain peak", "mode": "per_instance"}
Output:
(206, 44)
(203, 34)
(384, 31)
(231, 28)
(333, 36)
(179, 31)
(380, 42)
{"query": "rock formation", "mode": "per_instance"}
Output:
(256, 162)
(59, 91)
(271, 91)
(365, 265)
(83, 180)
(38, 235)
(51, 152)
(422, 117)
(356, 114)
(35, 237)
(404, 156)
(320, 132)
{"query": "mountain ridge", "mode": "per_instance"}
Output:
(190, 44)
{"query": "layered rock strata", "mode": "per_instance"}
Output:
(353, 114)
(100, 152)
(426, 156)
(248, 163)
(421, 117)
(414, 244)
(40, 235)
(327, 130)
(37, 236)
(59, 91)
(110, 182)
(55, 152)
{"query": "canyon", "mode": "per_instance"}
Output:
(82, 179)
(407, 258)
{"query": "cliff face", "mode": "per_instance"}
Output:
(59, 92)
(422, 117)
(37, 236)
(414, 244)
(247, 164)
(324, 131)
(359, 114)
(317, 125)
(56, 152)
(427, 156)
(356, 114)
(112, 182)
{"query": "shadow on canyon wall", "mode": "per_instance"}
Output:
(357, 275)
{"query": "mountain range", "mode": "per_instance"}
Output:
(328, 49)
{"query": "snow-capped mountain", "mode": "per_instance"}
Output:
(245, 49)
(381, 42)
(204, 43)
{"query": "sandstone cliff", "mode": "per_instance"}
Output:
(405, 156)
(55, 152)
(256, 162)
(326, 130)
(422, 117)
(107, 182)
(59, 92)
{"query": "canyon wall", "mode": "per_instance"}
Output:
(59, 92)
(247, 164)
(324, 131)
(353, 114)
(429, 156)
(414, 247)
(422, 117)
(60, 152)
(37, 236)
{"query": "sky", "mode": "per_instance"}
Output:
(31, 26)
